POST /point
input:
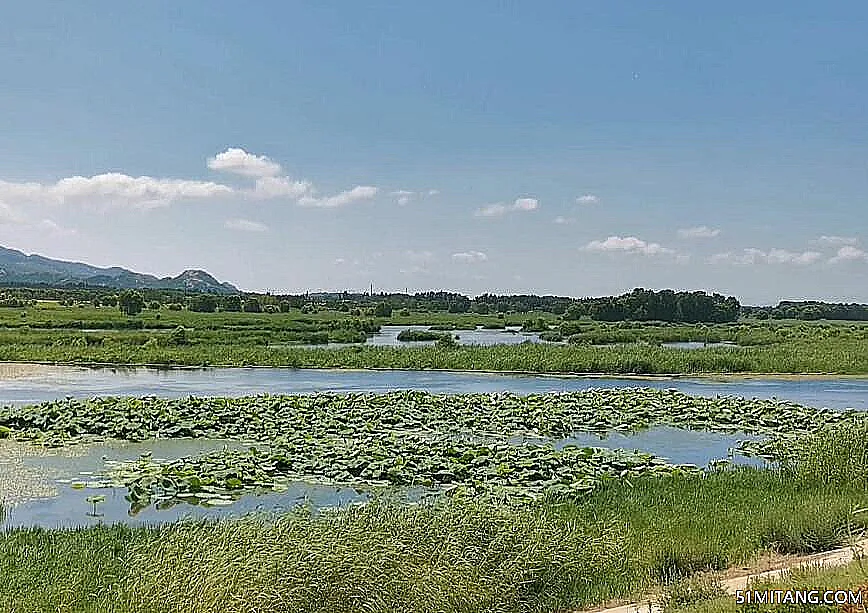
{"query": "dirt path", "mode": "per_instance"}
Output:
(767, 569)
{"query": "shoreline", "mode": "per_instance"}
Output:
(722, 377)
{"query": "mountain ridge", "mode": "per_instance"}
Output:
(19, 268)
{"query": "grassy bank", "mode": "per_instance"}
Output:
(620, 540)
(76, 335)
(847, 356)
(457, 555)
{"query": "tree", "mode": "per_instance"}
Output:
(382, 310)
(231, 304)
(131, 302)
(251, 305)
(203, 303)
(481, 308)
(178, 336)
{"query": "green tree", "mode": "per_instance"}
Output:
(178, 336)
(251, 305)
(130, 302)
(203, 303)
(231, 304)
(382, 310)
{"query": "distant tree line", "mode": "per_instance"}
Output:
(810, 310)
(637, 305)
(665, 305)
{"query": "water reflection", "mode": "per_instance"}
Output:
(64, 482)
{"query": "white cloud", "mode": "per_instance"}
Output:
(269, 182)
(8, 214)
(419, 256)
(245, 225)
(113, 189)
(281, 187)
(698, 232)
(526, 204)
(627, 244)
(140, 191)
(752, 256)
(782, 256)
(360, 192)
(492, 210)
(469, 257)
(240, 162)
(52, 228)
(848, 253)
(587, 199)
(146, 192)
(500, 209)
(404, 196)
(837, 240)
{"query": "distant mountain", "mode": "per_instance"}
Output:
(17, 268)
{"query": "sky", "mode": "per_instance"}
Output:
(558, 147)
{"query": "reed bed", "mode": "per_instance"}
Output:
(621, 348)
(827, 357)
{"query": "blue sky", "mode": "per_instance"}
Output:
(573, 148)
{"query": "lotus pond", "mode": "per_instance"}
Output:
(317, 446)
(54, 487)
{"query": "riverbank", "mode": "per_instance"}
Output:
(23, 369)
(619, 542)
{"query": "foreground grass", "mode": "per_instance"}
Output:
(456, 555)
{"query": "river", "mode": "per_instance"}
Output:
(43, 477)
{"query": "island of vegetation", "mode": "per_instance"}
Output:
(635, 333)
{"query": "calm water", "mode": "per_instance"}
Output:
(50, 473)
(59, 504)
(52, 382)
(698, 345)
(56, 503)
(388, 337)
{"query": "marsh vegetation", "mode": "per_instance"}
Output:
(618, 540)
(63, 334)
(512, 517)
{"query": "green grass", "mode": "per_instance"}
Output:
(89, 335)
(623, 540)
(824, 356)
(455, 555)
